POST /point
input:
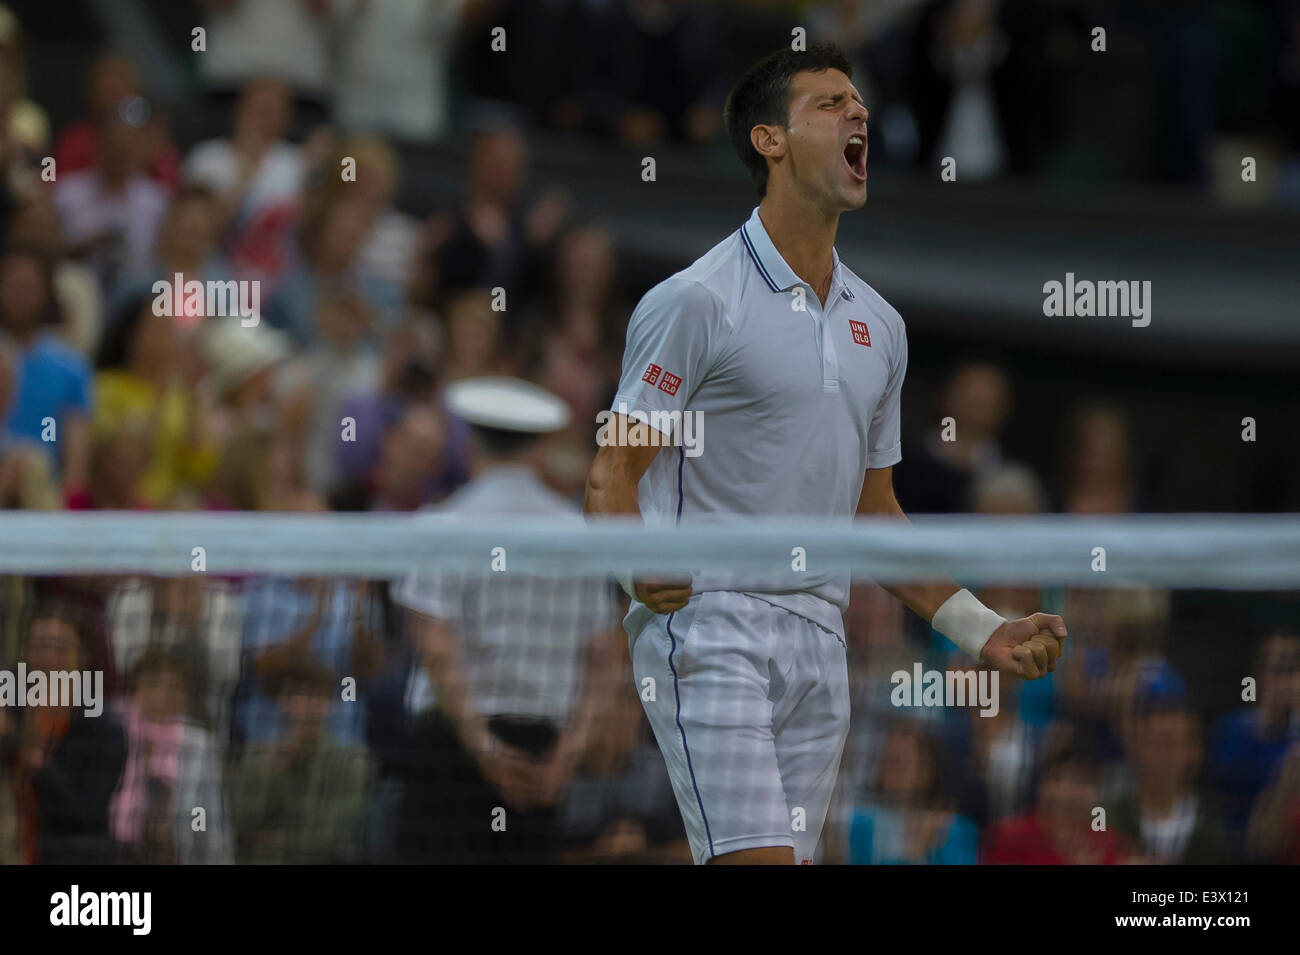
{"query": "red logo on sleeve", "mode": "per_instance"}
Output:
(670, 384)
(860, 333)
(651, 373)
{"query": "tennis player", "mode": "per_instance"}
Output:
(796, 365)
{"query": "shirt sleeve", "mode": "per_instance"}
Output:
(884, 437)
(671, 340)
(434, 594)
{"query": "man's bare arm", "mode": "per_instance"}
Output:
(878, 500)
(1028, 647)
(611, 491)
(617, 469)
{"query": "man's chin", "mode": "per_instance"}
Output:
(855, 198)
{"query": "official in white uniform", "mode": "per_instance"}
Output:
(795, 366)
(514, 670)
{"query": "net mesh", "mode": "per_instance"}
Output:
(496, 715)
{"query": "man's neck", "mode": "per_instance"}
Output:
(805, 238)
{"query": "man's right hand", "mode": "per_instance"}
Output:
(664, 596)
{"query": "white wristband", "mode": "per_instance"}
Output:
(966, 622)
(627, 583)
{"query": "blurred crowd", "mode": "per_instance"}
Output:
(1175, 92)
(328, 395)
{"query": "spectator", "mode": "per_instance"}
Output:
(240, 380)
(302, 797)
(582, 331)
(335, 623)
(330, 239)
(112, 85)
(35, 225)
(472, 337)
(260, 471)
(1249, 742)
(492, 242)
(392, 72)
(172, 771)
(620, 806)
(138, 383)
(937, 477)
(408, 375)
(1274, 833)
(1120, 644)
(119, 464)
(315, 383)
(1099, 467)
(958, 48)
(909, 817)
(197, 619)
(51, 401)
(25, 481)
(387, 253)
(111, 212)
(258, 177)
(1000, 754)
(1061, 831)
(410, 458)
(1164, 817)
(285, 39)
(666, 79)
(68, 763)
(186, 246)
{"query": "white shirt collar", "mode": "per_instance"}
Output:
(774, 269)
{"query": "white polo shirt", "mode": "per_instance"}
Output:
(797, 401)
(523, 638)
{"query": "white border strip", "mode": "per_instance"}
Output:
(1236, 552)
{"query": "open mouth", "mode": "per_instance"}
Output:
(855, 156)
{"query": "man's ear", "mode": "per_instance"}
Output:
(768, 141)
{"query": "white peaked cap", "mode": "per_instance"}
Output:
(507, 404)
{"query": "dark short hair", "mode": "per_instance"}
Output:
(762, 97)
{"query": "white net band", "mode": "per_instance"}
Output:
(1231, 552)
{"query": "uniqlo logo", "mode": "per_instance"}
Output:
(651, 373)
(860, 333)
(670, 384)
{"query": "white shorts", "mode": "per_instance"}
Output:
(751, 709)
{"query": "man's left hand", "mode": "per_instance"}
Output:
(1028, 647)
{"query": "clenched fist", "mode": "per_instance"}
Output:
(1028, 647)
(664, 596)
